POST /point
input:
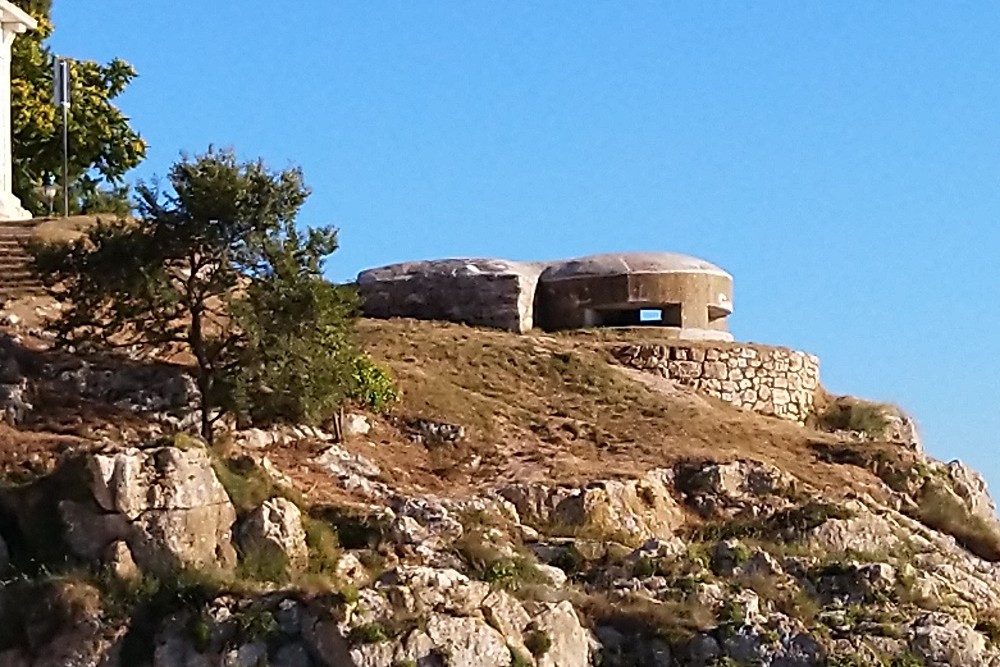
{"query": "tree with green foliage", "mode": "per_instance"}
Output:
(297, 356)
(215, 267)
(103, 146)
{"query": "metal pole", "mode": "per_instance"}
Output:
(65, 164)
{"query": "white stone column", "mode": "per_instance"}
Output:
(13, 22)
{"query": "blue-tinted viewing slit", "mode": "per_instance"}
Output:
(650, 315)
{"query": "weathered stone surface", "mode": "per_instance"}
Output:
(944, 642)
(634, 510)
(166, 504)
(863, 532)
(485, 292)
(118, 559)
(275, 530)
(467, 641)
(734, 487)
(355, 424)
(570, 642)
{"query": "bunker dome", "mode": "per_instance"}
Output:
(687, 297)
(678, 292)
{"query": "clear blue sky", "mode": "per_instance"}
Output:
(841, 159)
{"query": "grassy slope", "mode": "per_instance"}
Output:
(535, 407)
(555, 407)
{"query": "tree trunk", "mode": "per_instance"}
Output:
(338, 425)
(197, 342)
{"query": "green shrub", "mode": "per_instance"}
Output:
(537, 642)
(855, 415)
(257, 624)
(264, 565)
(372, 386)
(369, 633)
(324, 548)
(199, 630)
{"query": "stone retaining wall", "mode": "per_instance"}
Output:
(773, 381)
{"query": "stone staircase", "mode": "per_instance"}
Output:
(16, 277)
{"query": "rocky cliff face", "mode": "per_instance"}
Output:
(285, 548)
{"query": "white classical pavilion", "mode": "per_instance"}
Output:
(13, 21)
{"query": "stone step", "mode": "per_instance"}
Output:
(7, 227)
(20, 292)
(20, 282)
(18, 277)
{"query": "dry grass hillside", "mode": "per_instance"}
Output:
(535, 407)
(557, 407)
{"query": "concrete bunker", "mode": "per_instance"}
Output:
(685, 297)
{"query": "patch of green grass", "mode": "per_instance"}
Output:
(369, 633)
(248, 485)
(264, 565)
(785, 525)
(323, 545)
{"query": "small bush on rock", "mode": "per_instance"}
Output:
(848, 414)
(537, 642)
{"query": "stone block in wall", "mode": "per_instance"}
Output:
(715, 370)
(684, 370)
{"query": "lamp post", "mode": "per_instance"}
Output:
(60, 78)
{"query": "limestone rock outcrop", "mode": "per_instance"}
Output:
(166, 504)
(634, 510)
(274, 531)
